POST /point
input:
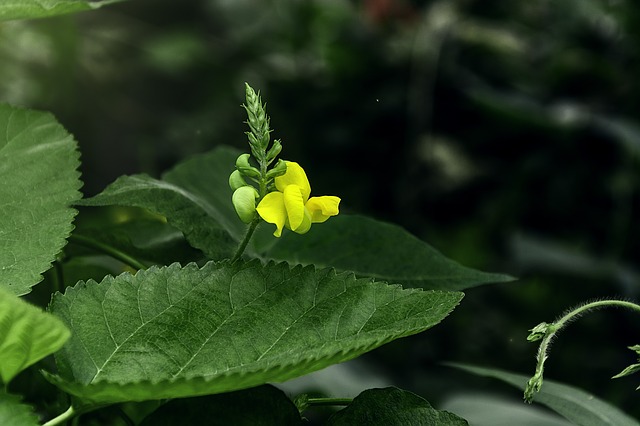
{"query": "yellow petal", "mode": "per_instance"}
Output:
(295, 175)
(306, 223)
(271, 208)
(295, 206)
(321, 208)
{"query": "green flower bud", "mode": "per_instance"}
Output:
(278, 170)
(244, 201)
(274, 150)
(236, 180)
(243, 161)
(538, 332)
(245, 168)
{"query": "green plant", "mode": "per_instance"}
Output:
(174, 303)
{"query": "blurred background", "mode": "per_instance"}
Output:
(505, 134)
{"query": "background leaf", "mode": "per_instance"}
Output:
(173, 332)
(27, 335)
(392, 407)
(29, 9)
(196, 198)
(13, 412)
(261, 406)
(39, 181)
(481, 409)
(574, 404)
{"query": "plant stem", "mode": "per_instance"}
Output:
(329, 401)
(61, 417)
(550, 330)
(245, 241)
(107, 249)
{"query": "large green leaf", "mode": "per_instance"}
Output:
(27, 335)
(574, 404)
(184, 331)
(196, 199)
(392, 407)
(28, 9)
(379, 250)
(14, 413)
(38, 182)
(261, 406)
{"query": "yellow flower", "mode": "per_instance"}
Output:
(291, 206)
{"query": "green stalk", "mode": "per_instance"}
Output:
(323, 402)
(547, 332)
(61, 418)
(245, 241)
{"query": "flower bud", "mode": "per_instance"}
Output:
(538, 332)
(236, 180)
(245, 168)
(275, 149)
(244, 201)
(278, 170)
(243, 161)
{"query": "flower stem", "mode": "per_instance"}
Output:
(329, 401)
(61, 418)
(107, 249)
(245, 241)
(548, 331)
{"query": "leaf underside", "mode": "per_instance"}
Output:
(184, 331)
(38, 183)
(260, 406)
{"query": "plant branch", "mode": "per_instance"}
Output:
(61, 418)
(329, 401)
(547, 332)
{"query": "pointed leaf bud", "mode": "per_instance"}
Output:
(538, 332)
(244, 202)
